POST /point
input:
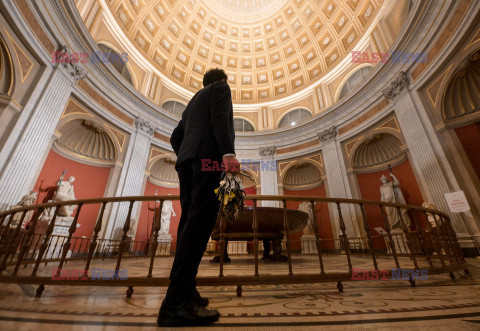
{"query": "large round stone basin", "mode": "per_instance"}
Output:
(270, 224)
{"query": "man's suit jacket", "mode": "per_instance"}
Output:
(206, 129)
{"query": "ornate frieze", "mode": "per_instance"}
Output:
(328, 135)
(267, 151)
(145, 126)
(69, 64)
(395, 87)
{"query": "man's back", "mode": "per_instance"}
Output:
(206, 129)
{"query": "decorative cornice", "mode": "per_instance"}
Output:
(328, 135)
(267, 151)
(400, 83)
(145, 126)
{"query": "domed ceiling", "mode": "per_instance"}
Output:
(269, 48)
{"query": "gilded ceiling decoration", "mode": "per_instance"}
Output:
(269, 48)
(462, 96)
(85, 139)
(301, 176)
(379, 149)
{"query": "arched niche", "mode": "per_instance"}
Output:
(381, 154)
(462, 95)
(88, 142)
(163, 173)
(86, 150)
(305, 177)
(7, 76)
(377, 151)
(461, 111)
(302, 175)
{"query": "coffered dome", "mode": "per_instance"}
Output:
(270, 49)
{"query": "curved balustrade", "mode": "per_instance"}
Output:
(426, 242)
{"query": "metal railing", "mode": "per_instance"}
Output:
(427, 239)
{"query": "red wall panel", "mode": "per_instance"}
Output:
(90, 182)
(370, 190)
(323, 217)
(250, 191)
(469, 136)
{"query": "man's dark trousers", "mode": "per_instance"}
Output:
(199, 212)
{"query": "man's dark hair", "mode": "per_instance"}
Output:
(214, 75)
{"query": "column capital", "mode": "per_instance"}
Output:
(268, 151)
(145, 126)
(399, 84)
(73, 70)
(328, 135)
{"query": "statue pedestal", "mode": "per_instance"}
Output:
(309, 245)
(400, 241)
(237, 247)
(54, 250)
(164, 244)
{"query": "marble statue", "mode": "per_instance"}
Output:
(47, 213)
(307, 208)
(390, 192)
(65, 193)
(167, 212)
(131, 231)
(26, 201)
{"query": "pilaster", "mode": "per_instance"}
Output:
(337, 179)
(432, 177)
(132, 175)
(268, 174)
(26, 156)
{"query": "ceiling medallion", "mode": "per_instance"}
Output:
(245, 11)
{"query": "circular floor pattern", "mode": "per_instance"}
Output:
(435, 303)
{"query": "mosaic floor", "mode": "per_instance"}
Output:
(437, 303)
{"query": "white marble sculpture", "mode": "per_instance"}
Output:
(431, 218)
(131, 231)
(167, 212)
(307, 208)
(65, 193)
(390, 192)
(27, 200)
(308, 239)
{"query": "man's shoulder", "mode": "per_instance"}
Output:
(220, 85)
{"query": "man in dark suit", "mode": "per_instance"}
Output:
(205, 135)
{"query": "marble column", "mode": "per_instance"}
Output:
(337, 180)
(131, 178)
(268, 175)
(427, 165)
(19, 169)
